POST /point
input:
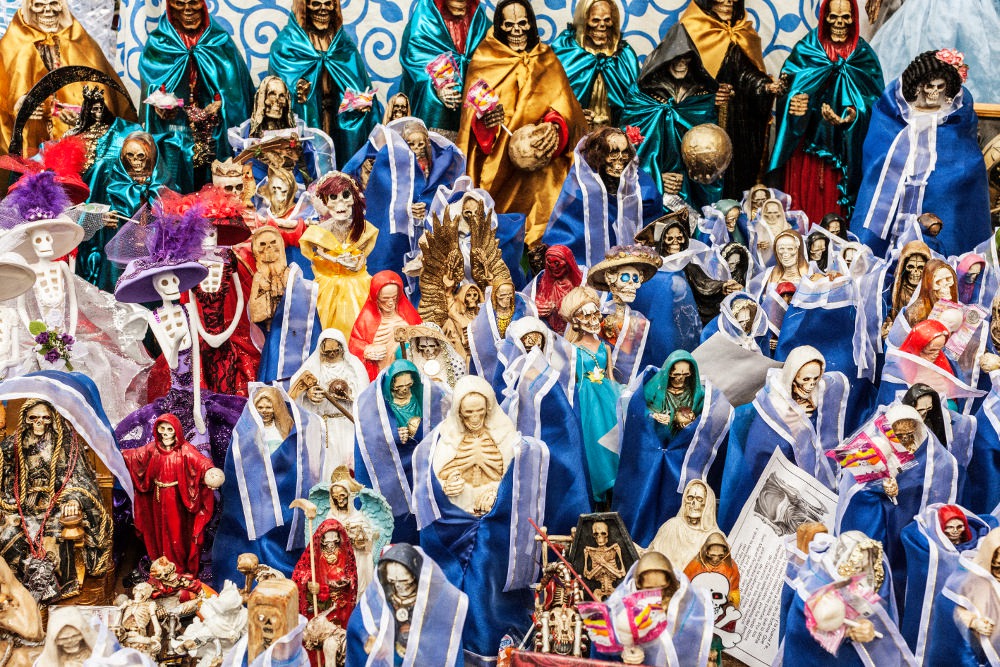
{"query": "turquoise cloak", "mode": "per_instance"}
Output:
(293, 57)
(855, 81)
(424, 39)
(620, 71)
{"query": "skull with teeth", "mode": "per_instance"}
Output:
(929, 82)
(931, 94)
(515, 26)
(607, 152)
(599, 30)
(839, 19)
(723, 9)
(45, 15)
(624, 282)
(138, 155)
(717, 586)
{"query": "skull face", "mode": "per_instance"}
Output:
(839, 18)
(624, 283)
(280, 194)
(732, 216)
(587, 319)
(401, 388)
(457, 8)
(933, 348)
(399, 584)
(270, 621)
(416, 139)
(166, 434)
(942, 283)
(473, 298)
(717, 586)
(46, 14)
(680, 67)
(167, 286)
(137, 159)
(733, 262)
(931, 94)
(276, 100)
(758, 195)
(673, 241)
(41, 243)
(429, 348)
(339, 497)
(319, 14)
(600, 532)
(745, 315)
(679, 375)
(70, 641)
(715, 554)
(267, 248)
(954, 530)
(773, 215)
(189, 14)
(914, 268)
(39, 419)
(231, 185)
(806, 379)
(817, 248)
(694, 503)
(618, 158)
(533, 339)
(472, 412)
(515, 27)
(330, 545)
(505, 296)
(556, 265)
(340, 207)
(723, 9)
(906, 432)
(599, 25)
(331, 351)
(400, 107)
(787, 252)
(265, 408)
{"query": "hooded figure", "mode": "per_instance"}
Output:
(681, 537)
(801, 411)
(730, 49)
(334, 569)
(932, 555)
(599, 74)
(533, 90)
(491, 555)
(411, 582)
(368, 327)
(932, 478)
(832, 65)
(196, 67)
(320, 70)
(952, 429)
(667, 440)
(173, 502)
(665, 106)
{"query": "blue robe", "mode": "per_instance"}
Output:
(959, 169)
(472, 551)
(424, 39)
(620, 71)
(584, 198)
(982, 487)
(655, 465)
(394, 175)
(930, 559)
(668, 303)
(485, 339)
(294, 330)
(221, 68)
(865, 507)
(293, 57)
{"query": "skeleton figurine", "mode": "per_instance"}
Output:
(909, 273)
(278, 194)
(432, 353)
(416, 137)
(558, 625)
(268, 287)
(274, 612)
(94, 122)
(623, 270)
(272, 108)
(221, 621)
(139, 628)
(230, 177)
(322, 635)
(138, 156)
(603, 562)
(397, 107)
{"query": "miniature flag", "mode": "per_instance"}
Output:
(482, 98)
(443, 70)
(353, 101)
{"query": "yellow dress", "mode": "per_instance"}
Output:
(342, 292)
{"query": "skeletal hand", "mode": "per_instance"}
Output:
(404, 434)
(863, 632)
(982, 626)
(315, 394)
(485, 501)
(546, 141)
(375, 353)
(672, 183)
(71, 509)
(989, 362)
(450, 95)
(69, 117)
(890, 486)
(798, 105)
(731, 286)
(776, 87)
(661, 417)
(830, 116)
(454, 485)
(493, 118)
(763, 245)
(588, 114)
(723, 95)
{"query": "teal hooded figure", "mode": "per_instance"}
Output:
(674, 93)
(320, 64)
(600, 65)
(192, 57)
(439, 27)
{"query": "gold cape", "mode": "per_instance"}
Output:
(528, 84)
(21, 68)
(712, 37)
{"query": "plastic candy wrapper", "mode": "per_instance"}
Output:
(353, 101)
(481, 98)
(161, 99)
(971, 319)
(443, 71)
(834, 608)
(873, 453)
(643, 611)
(597, 621)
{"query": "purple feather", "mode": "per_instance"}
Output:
(176, 237)
(38, 196)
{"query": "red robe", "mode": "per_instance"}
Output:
(337, 602)
(370, 317)
(171, 519)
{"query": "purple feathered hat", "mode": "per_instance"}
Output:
(169, 242)
(38, 203)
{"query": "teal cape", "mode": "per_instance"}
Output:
(424, 39)
(221, 70)
(293, 57)
(621, 71)
(855, 81)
